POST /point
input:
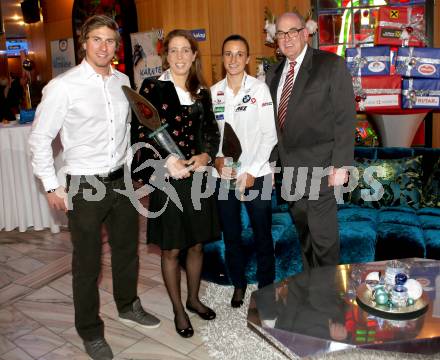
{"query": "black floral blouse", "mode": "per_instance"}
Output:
(192, 127)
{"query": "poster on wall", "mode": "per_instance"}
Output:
(146, 49)
(63, 55)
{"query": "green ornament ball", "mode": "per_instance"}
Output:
(381, 298)
(410, 301)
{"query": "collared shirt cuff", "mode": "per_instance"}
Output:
(254, 170)
(50, 183)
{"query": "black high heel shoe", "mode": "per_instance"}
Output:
(237, 298)
(187, 332)
(209, 314)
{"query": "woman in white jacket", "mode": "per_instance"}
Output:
(244, 102)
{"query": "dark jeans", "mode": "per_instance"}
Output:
(260, 214)
(85, 222)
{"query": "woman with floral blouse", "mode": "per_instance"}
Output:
(184, 104)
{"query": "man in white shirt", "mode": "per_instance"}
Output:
(87, 107)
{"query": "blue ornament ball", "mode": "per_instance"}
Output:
(400, 278)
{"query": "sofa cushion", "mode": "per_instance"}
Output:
(357, 241)
(429, 211)
(431, 190)
(357, 213)
(398, 241)
(432, 242)
(399, 215)
(282, 218)
(430, 222)
(401, 182)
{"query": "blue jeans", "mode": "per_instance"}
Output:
(260, 214)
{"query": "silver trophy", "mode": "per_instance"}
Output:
(149, 117)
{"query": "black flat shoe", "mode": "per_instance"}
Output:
(209, 314)
(237, 298)
(187, 332)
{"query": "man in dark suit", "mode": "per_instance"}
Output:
(315, 111)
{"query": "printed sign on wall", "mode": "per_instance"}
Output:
(63, 55)
(199, 34)
(146, 49)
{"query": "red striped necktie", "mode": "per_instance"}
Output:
(285, 95)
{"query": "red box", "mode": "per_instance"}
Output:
(400, 26)
(405, 2)
(377, 92)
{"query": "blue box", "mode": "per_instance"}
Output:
(26, 116)
(421, 94)
(368, 61)
(418, 62)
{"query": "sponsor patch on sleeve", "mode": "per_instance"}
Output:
(266, 104)
(219, 117)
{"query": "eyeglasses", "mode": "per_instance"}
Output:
(292, 33)
(98, 41)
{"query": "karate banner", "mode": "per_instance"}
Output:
(63, 55)
(146, 49)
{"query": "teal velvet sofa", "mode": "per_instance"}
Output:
(404, 222)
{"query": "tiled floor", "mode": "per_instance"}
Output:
(36, 306)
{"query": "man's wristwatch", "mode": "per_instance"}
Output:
(51, 191)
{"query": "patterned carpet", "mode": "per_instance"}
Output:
(228, 337)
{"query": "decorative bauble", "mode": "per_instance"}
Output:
(413, 62)
(365, 13)
(415, 289)
(379, 290)
(410, 301)
(409, 29)
(27, 64)
(381, 298)
(358, 98)
(400, 279)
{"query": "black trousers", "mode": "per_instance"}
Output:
(260, 215)
(317, 225)
(86, 218)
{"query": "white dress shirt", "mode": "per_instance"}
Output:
(92, 116)
(183, 95)
(286, 68)
(250, 114)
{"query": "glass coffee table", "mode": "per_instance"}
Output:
(317, 312)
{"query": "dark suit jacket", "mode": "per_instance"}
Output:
(320, 120)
